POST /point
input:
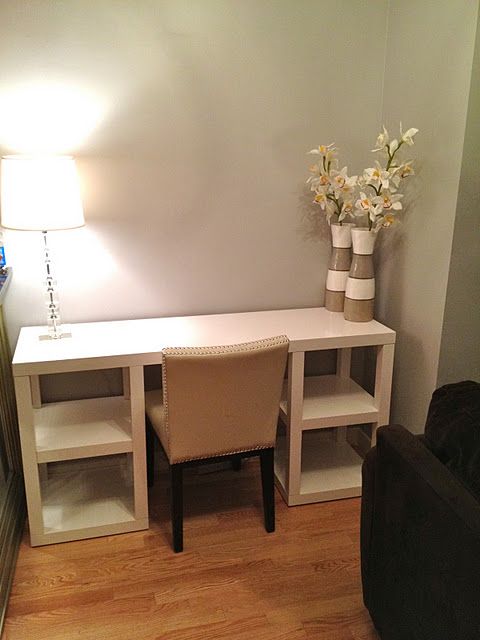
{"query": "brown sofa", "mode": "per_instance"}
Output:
(420, 523)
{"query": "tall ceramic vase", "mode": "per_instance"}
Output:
(339, 266)
(360, 289)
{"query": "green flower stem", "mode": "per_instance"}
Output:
(377, 190)
(392, 155)
(336, 202)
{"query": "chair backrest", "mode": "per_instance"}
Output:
(221, 400)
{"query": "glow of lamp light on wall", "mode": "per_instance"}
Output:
(76, 252)
(48, 118)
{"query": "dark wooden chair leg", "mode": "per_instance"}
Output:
(237, 463)
(266, 465)
(176, 501)
(150, 445)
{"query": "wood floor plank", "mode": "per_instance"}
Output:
(233, 581)
(363, 629)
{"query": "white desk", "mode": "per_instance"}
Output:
(110, 501)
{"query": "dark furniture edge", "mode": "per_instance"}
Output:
(442, 481)
(12, 518)
(4, 286)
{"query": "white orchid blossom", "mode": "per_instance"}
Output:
(382, 140)
(384, 221)
(393, 147)
(347, 210)
(321, 199)
(328, 153)
(326, 150)
(388, 220)
(365, 205)
(377, 176)
(318, 178)
(388, 201)
(407, 137)
(339, 178)
(406, 169)
(361, 184)
(342, 183)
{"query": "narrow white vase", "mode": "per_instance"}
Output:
(360, 286)
(339, 266)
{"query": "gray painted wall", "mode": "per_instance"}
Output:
(427, 81)
(460, 348)
(194, 181)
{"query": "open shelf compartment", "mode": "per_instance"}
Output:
(82, 428)
(331, 468)
(85, 498)
(332, 401)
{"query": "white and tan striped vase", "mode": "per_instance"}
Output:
(339, 266)
(360, 289)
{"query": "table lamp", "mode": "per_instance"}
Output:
(41, 193)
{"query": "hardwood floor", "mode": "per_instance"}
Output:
(232, 581)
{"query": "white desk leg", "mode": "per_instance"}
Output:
(383, 386)
(126, 382)
(137, 408)
(36, 393)
(296, 372)
(344, 362)
(344, 365)
(23, 392)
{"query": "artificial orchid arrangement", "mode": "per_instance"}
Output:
(334, 190)
(373, 195)
(380, 207)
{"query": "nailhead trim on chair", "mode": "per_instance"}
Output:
(211, 351)
(216, 350)
(227, 453)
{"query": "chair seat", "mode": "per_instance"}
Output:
(154, 407)
(155, 410)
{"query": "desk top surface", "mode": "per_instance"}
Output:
(140, 342)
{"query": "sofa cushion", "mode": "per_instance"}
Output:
(452, 430)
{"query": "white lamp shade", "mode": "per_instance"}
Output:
(40, 193)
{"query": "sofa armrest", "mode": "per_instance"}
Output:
(420, 539)
(412, 450)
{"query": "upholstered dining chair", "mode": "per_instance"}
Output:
(217, 403)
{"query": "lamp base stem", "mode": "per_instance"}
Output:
(47, 336)
(54, 326)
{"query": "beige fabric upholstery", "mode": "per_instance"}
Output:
(218, 400)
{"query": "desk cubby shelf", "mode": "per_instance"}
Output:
(311, 464)
(84, 461)
(83, 500)
(82, 428)
(329, 466)
(332, 401)
(86, 502)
